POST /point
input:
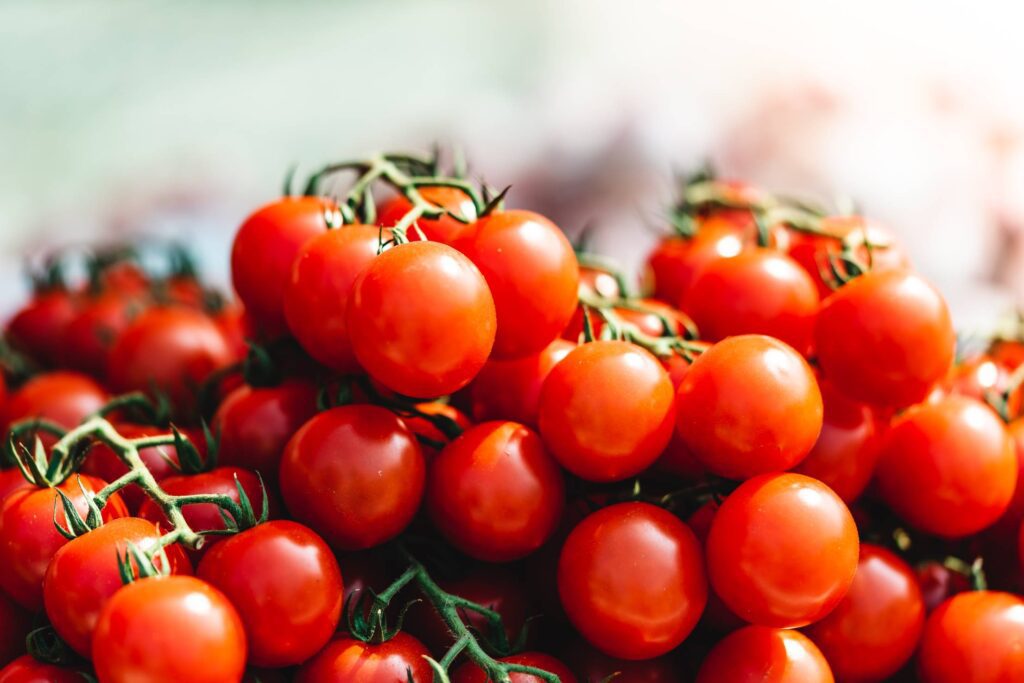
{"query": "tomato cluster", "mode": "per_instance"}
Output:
(433, 441)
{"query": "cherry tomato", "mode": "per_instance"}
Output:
(782, 550)
(38, 328)
(90, 335)
(355, 474)
(1006, 527)
(425, 319)
(938, 583)
(948, 468)
(771, 655)
(532, 273)
(444, 229)
(606, 410)
(749, 405)
(14, 626)
(353, 661)
(495, 493)
(885, 338)
(26, 669)
(974, 637)
(471, 673)
(65, 398)
(317, 293)
(264, 250)
(510, 389)
(979, 377)
(29, 538)
(236, 327)
(600, 282)
(677, 458)
(10, 481)
(874, 631)
(84, 574)
(255, 423)
(845, 453)
(286, 586)
(674, 263)
(173, 628)
(759, 291)
(423, 428)
(170, 350)
(593, 666)
(628, 608)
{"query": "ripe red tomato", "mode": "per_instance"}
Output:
(90, 335)
(782, 550)
(885, 338)
(173, 628)
(759, 291)
(83, 575)
(65, 398)
(264, 250)
(845, 453)
(627, 608)
(510, 389)
(675, 262)
(444, 229)
(26, 669)
(355, 474)
(29, 538)
(471, 673)
(749, 405)
(606, 410)
(874, 631)
(255, 423)
(532, 273)
(948, 468)
(495, 493)
(286, 586)
(423, 428)
(10, 481)
(316, 295)
(771, 655)
(425, 319)
(38, 328)
(171, 350)
(353, 661)
(14, 626)
(938, 583)
(974, 637)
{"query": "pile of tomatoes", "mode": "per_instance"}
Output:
(432, 441)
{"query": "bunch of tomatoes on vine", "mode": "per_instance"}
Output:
(433, 441)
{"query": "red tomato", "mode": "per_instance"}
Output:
(628, 608)
(885, 338)
(12, 480)
(759, 291)
(425, 319)
(606, 410)
(355, 474)
(948, 468)
(29, 538)
(675, 262)
(938, 583)
(173, 628)
(1005, 528)
(317, 293)
(255, 423)
(38, 328)
(423, 428)
(510, 389)
(26, 669)
(264, 250)
(599, 282)
(593, 666)
(90, 335)
(444, 229)
(236, 327)
(353, 661)
(532, 273)
(14, 626)
(83, 575)
(979, 377)
(495, 493)
(65, 398)
(749, 405)
(975, 637)
(768, 655)
(286, 586)
(874, 631)
(782, 551)
(471, 673)
(845, 453)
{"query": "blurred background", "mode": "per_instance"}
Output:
(178, 118)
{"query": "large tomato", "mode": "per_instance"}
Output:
(471, 673)
(766, 655)
(974, 637)
(423, 319)
(173, 628)
(353, 661)
(355, 474)
(444, 229)
(782, 550)
(628, 608)
(606, 410)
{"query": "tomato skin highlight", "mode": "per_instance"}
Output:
(768, 655)
(173, 628)
(353, 661)
(949, 467)
(782, 550)
(471, 673)
(600, 435)
(286, 586)
(495, 493)
(749, 405)
(647, 611)
(353, 474)
(412, 348)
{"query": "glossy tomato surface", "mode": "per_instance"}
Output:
(510, 389)
(353, 661)
(765, 655)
